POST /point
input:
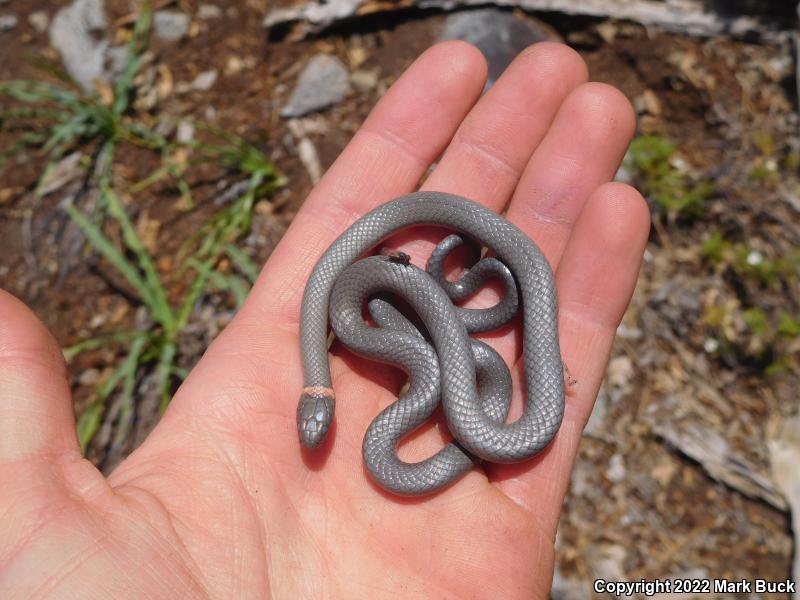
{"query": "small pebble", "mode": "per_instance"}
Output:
(209, 11)
(616, 469)
(710, 345)
(205, 80)
(364, 80)
(171, 25)
(620, 371)
(755, 258)
(89, 377)
(39, 20)
(8, 22)
(185, 133)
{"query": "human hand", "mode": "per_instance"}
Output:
(221, 501)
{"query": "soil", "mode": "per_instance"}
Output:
(643, 503)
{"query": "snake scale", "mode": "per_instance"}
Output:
(443, 363)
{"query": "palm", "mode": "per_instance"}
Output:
(220, 500)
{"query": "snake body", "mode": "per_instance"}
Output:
(443, 362)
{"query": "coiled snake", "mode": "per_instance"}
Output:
(442, 361)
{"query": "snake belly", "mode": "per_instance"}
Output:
(468, 378)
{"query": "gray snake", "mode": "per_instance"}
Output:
(442, 361)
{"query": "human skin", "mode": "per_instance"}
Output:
(220, 501)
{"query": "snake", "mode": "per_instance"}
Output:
(445, 366)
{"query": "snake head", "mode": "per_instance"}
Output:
(314, 415)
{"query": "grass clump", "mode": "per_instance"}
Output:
(58, 120)
(765, 338)
(674, 192)
(749, 264)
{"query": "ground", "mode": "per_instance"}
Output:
(673, 477)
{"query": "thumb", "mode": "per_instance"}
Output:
(36, 417)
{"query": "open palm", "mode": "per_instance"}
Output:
(221, 501)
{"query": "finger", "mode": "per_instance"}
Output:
(408, 129)
(485, 160)
(36, 418)
(494, 143)
(595, 278)
(582, 150)
(582, 147)
(405, 132)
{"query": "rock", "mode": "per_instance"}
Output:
(39, 20)
(209, 11)
(627, 332)
(171, 25)
(78, 32)
(595, 426)
(185, 132)
(205, 80)
(624, 174)
(8, 22)
(647, 103)
(306, 150)
(620, 372)
(236, 64)
(323, 82)
(616, 469)
(497, 33)
(364, 80)
(564, 588)
(89, 377)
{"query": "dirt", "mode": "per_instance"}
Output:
(641, 506)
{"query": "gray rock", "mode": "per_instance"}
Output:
(171, 25)
(78, 32)
(209, 11)
(8, 22)
(498, 34)
(323, 82)
(205, 80)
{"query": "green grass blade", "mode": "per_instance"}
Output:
(39, 91)
(32, 112)
(71, 352)
(104, 246)
(29, 139)
(89, 423)
(124, 87)
(155, 290)
(165, 371)
(197, 287)
(90, 419)
(129, 381)
(233, 284)
(246, 264)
